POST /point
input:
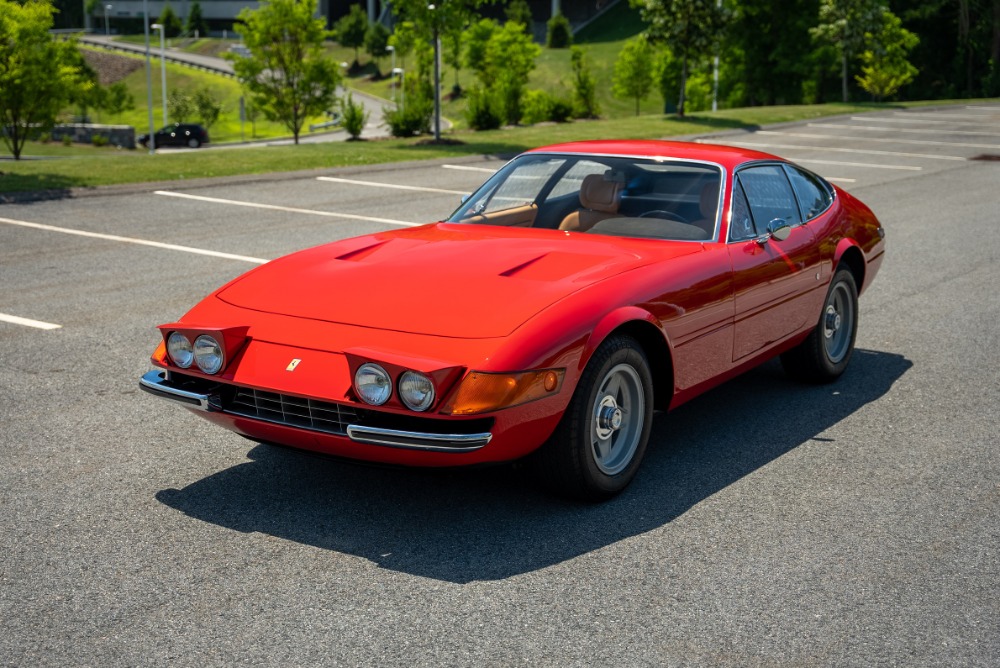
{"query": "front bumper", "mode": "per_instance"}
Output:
(208, 397)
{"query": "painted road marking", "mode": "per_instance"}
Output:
(883, 119)
(926, 131)
(839, 179)
(288, 209)
(27, 322)
(924, 142)
(837, 149)
(938, 115)
(396, 186)
(131, 240)
(465, 168)
(867, 165)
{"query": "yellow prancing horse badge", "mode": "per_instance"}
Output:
(291, 365)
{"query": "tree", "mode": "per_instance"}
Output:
(171, 23)
(689, 28)
(37, 74)
(667, 73)
(288, 75)
(354, 116)
(352, 29)
(196, 22)
(510, 58)
(376, 41)
(403, 38)
(180, 105)
(843, 24)
(519, 11)
(584, 85)
(884, 65)
(207, 106)
(119, 100)
(633, 75)
(476, 38)
(559, 34)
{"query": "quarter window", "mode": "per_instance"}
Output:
(741, 223)
(814, 197)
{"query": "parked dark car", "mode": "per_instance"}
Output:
(178, 134)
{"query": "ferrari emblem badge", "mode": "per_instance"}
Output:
(291, 365)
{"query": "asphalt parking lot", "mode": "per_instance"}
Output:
(772, 524)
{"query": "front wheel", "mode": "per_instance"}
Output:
(600, 441)
(824, 355)
(193, 143)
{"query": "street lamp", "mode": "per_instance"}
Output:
(163, 69)
(391, 49)
(149, 79)
(402, 86)
(107, 30)
(435, 17)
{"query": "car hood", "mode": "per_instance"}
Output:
(463, 281)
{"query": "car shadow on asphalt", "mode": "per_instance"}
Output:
(493, 523)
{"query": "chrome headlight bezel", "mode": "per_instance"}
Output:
(180, 350)
(373, 384)
(209, 354)
(416, 391)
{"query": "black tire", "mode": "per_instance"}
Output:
(193, 143)
(600, 441)
(825, 353)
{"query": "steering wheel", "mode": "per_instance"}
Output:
(661, 213)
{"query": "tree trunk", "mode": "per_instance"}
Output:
(684, 76)
(843, 74)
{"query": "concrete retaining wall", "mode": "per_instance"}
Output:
(122, 136)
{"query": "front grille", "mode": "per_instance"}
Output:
(292, 411)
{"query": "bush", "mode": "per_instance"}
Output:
(561, 111)
(415, 116)
(67, 140)
(536, 106)
(355, 116)
(560, 33)
(99, 140)
(482, 111)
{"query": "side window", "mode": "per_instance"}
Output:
(770, 195)
(814, 197)
(741, 223)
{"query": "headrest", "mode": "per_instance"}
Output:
(600, 195)
(709, 202)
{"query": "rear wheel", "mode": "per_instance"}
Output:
(193, 142)
(598, 446)
(824, 355)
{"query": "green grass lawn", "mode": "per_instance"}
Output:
(60, 167)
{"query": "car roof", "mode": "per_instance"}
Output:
(727, 156)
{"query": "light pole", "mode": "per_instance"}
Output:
(402, 86)
(107, 30)
(163, 69)
(149, 80)
(435, 17)
(391, 49)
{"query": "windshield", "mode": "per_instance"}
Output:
(627, 197)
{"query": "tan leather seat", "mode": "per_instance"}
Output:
(600, 200)
(708, 206)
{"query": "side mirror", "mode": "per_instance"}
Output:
(777, 229)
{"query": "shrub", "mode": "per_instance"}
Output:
(584, 85)
(482, 112)
(99, 140)
(415, 116)
(355, 116)
(67, 140)
(561, 110)
(560, 33)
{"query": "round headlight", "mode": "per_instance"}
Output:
(208, 354)
(179, 349)
(416, 390)
(373, 384)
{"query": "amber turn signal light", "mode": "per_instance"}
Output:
(481, 392)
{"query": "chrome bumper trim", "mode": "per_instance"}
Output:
(416, 440)
(156, 383)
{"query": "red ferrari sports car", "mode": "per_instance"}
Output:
(581, 287)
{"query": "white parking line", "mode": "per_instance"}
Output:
(925, 131)
(996, 109)
(395, 186)
(939, 115)
(922, 142)
(837, 149)
(470, 169)
(839, 179)
(274, 207)
(866, 165)
(27, 322)
(130, 240)
(883, 119)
